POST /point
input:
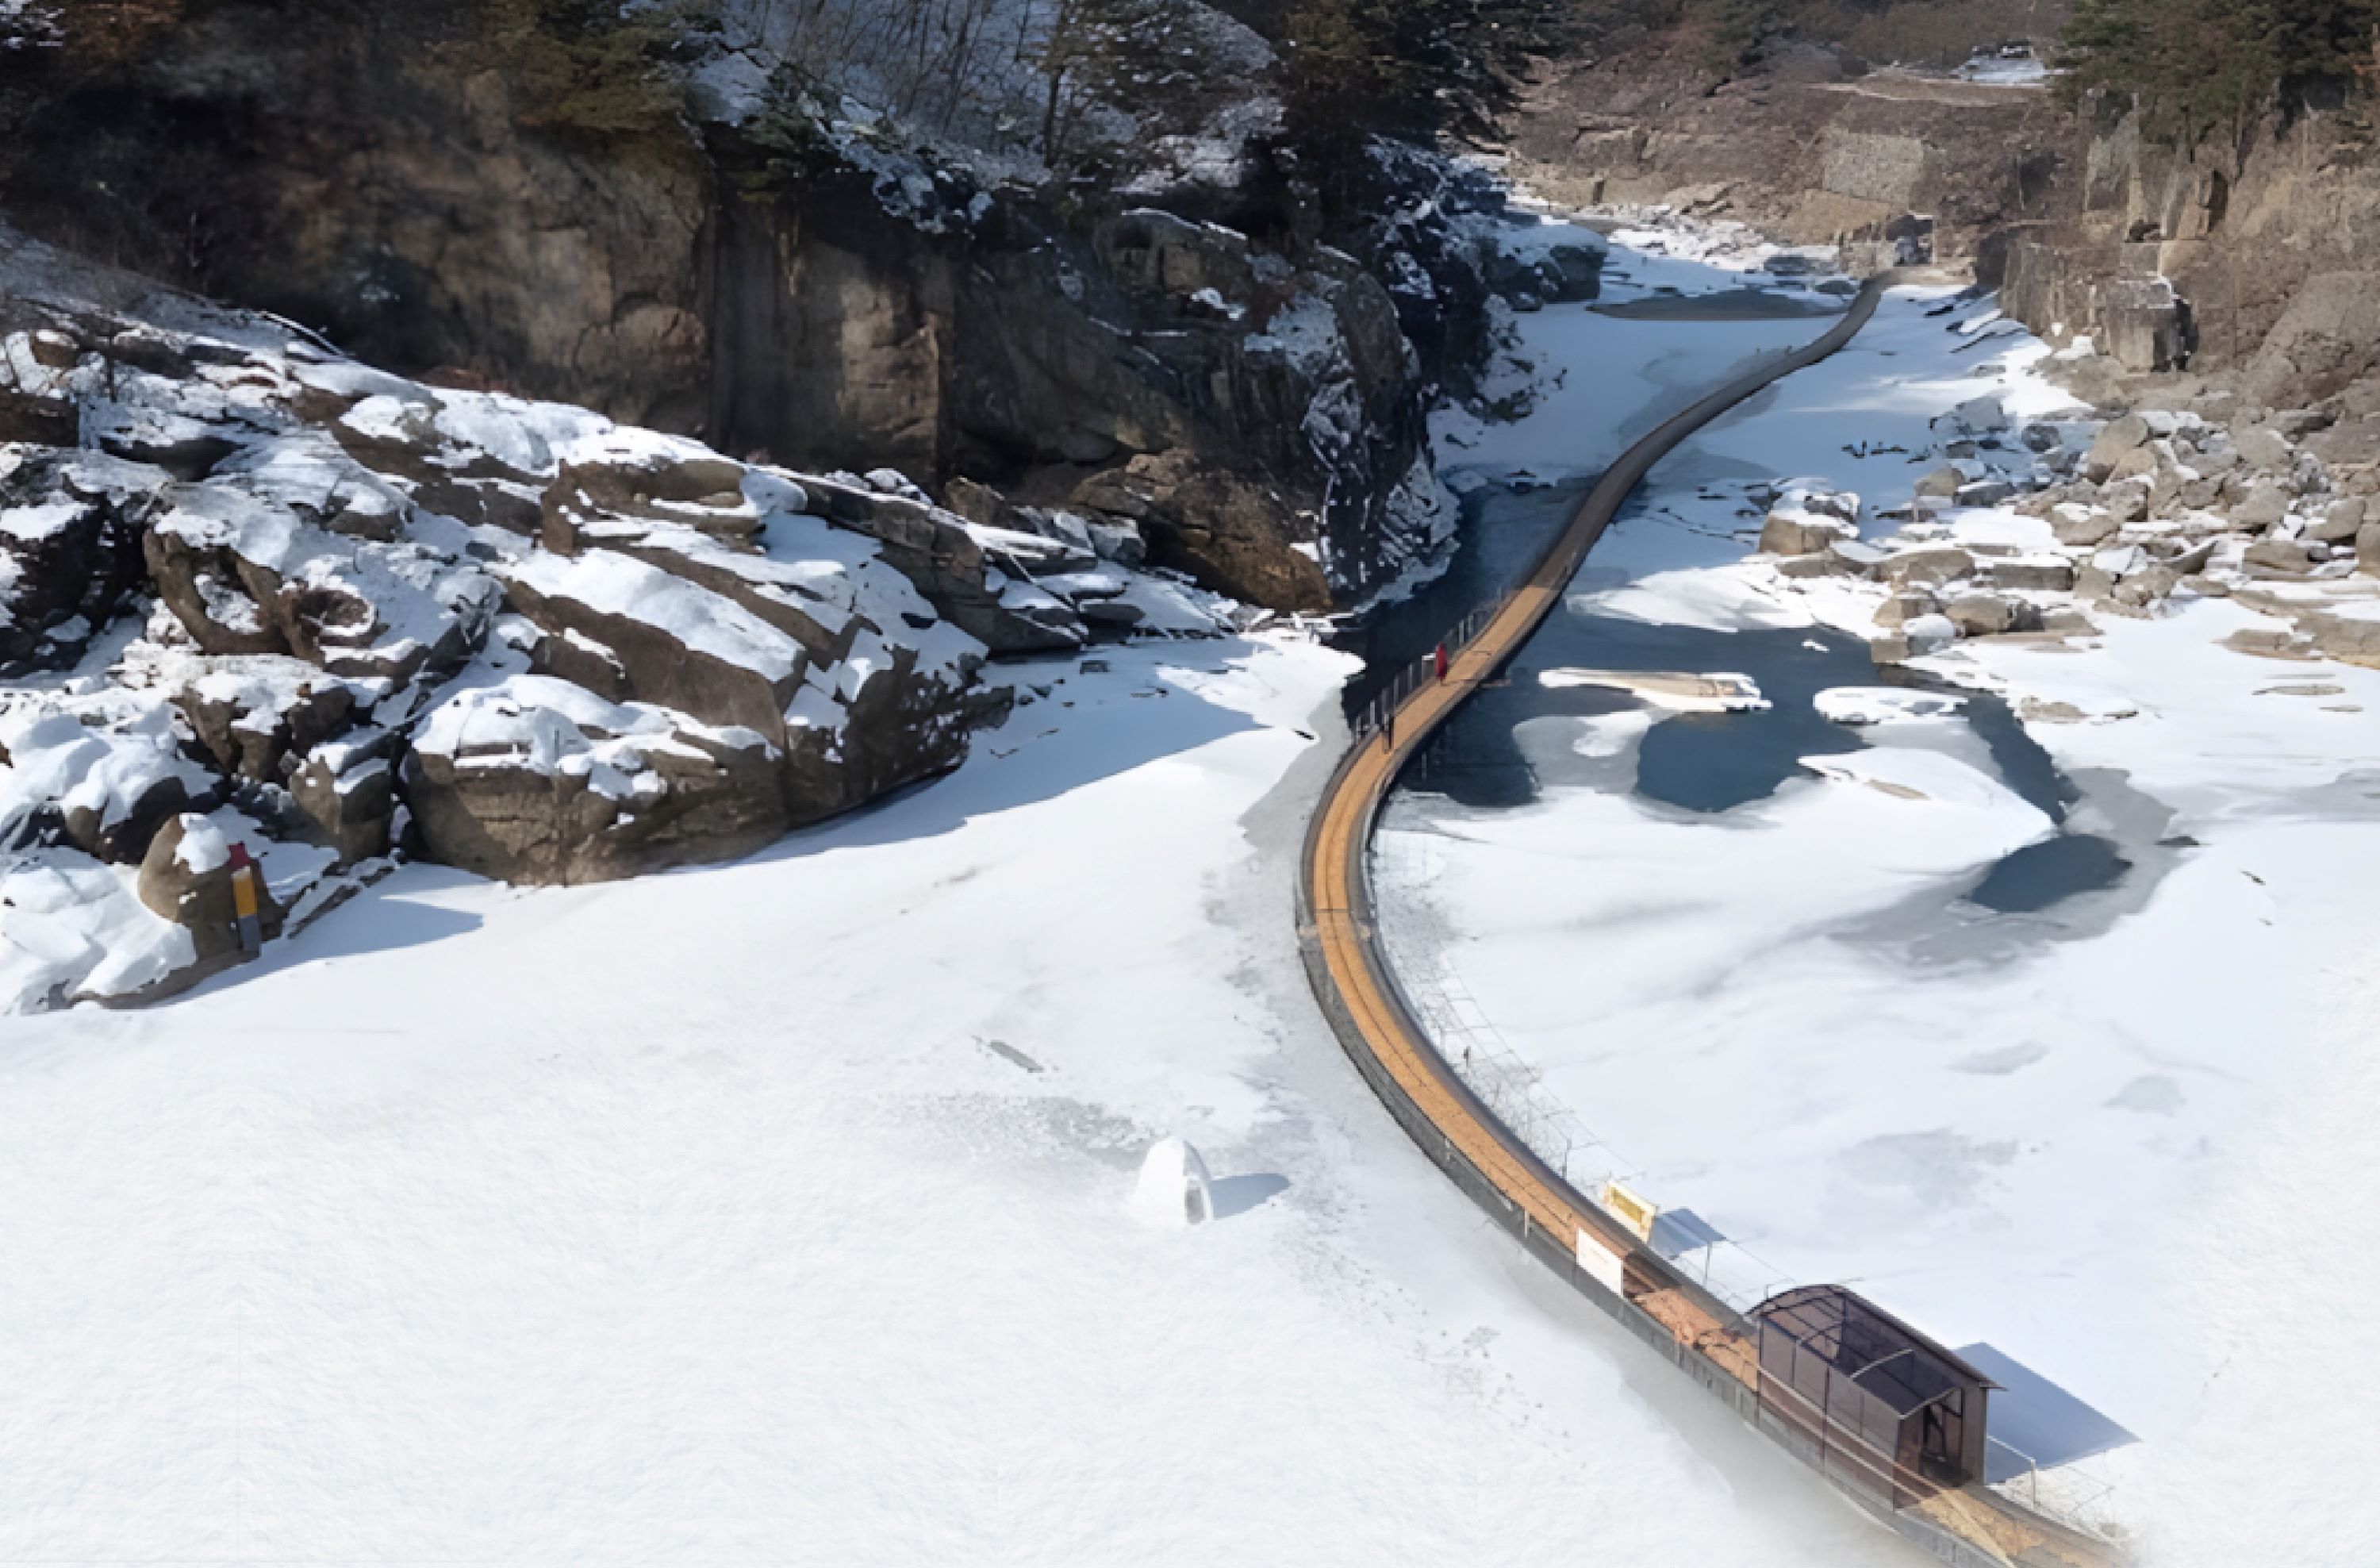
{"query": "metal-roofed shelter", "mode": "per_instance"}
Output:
(1873, 1404)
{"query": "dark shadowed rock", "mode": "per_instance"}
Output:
(538, 781)
(37, 420)
(68, 562)
(255, 715)
(348, 793)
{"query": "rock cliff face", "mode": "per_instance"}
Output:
(1819, 150)
(2248, 255)
(766, 277)
(2269, 237)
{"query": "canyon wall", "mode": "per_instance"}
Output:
(2245, 256)
(754, 272)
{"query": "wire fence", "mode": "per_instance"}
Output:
(1460, 1029)
(2070, 1493)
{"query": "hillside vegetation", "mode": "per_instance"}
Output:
(1738, 36)
(2198, 64)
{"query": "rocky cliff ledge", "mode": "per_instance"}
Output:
(256, 596)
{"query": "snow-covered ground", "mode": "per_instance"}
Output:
(782, 1211)
(2107, 1140)
(1592, 383)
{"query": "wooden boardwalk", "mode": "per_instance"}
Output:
(1358, 991)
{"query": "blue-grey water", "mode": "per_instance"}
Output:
(1704, 762)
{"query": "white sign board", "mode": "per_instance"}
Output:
(1602, 1265)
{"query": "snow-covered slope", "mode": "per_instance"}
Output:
(782, 1211)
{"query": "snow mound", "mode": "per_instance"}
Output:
(1719, 693)
(2005, 820)
(1715, 602)
(1862, 705)
(1173, 1191)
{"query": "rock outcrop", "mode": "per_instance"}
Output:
(1819, 150)
(2134, 517)
(334, 617)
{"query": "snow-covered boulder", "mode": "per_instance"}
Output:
(256, 716)
(1925, 565)
(67, 562)
(1989, 615)
(2081, 526)
(187, 878)
(871, 714)
(1942, 484)
(658, 481)
(678, 645)
(1915, 638)
(2112, 446)
(1808, 522)
(1978, 416)
(347, 793)
(535, 780)
(2034, 574)
(103, 788)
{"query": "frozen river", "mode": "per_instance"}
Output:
(1968, 1011)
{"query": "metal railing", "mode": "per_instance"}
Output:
(1459, 1029)
(1408, 681)
(2069, 1493)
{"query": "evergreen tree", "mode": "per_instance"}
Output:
(2194, 64)
(588, 67)
(1414, 68)
(1135, 56)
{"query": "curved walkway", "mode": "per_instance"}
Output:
(1381, 1032)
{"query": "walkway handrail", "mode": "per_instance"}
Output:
(1381, 1031)
(1414, 710)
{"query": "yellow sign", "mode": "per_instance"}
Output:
(1634, 1212)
